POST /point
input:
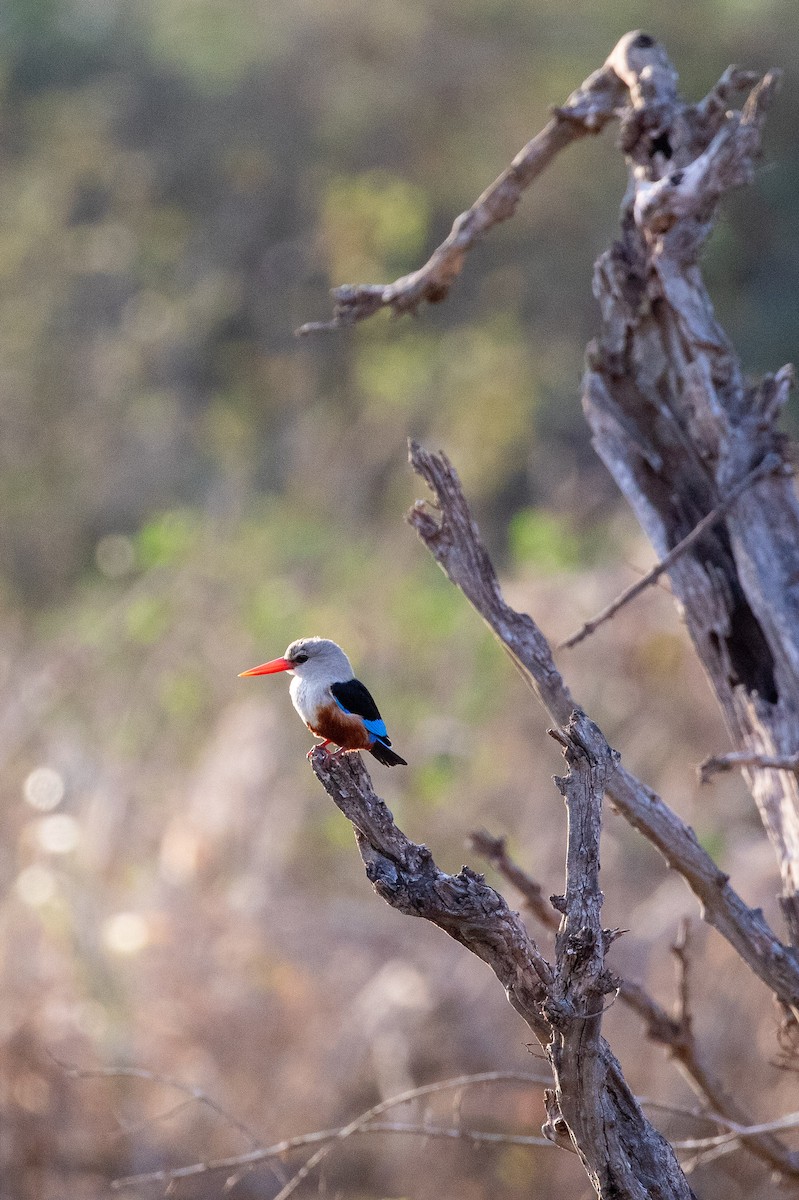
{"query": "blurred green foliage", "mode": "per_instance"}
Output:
(183, 181)
(538, 537)
(374, 224)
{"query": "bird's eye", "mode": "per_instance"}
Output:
(300, 658)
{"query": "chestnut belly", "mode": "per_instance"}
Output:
(341, 728)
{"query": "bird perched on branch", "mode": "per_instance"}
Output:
(333, 704)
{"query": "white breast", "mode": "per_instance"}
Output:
(308, 696)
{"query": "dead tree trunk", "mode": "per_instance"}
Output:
(679, 426)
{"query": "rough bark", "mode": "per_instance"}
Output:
(448, 531)
(694, 448)
(672, 415)
(679, 426)
(674, 1032)
(591, 1108)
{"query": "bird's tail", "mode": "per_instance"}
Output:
(385, 755)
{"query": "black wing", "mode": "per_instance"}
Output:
(353, 697)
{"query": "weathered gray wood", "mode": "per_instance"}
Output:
(591, 1105)
(671, 411)
(448, 531)
(679, 426)
(587, 111)
(686, 436)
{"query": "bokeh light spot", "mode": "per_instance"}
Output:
(58, 834)
(125, 933)
(32, 1092)
(44, 789)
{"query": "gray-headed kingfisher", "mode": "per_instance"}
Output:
(331, 701)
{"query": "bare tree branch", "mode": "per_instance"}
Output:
(740, 1133)
(365, 1123)
(452, 537)
(681, 949)
(323, 1137)
(562, 1005)
(743, 758)
(463, 905)
(586, 111)
(679, 425)
(477, 1137)
(581, 981)
(672, 415)
(694, 448)
(494, 851)
(600, 99)
(674, 1033)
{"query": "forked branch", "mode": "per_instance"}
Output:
(604, 96)
(591, 1105)
(673, 1033)
(448, 531)
(586, 111)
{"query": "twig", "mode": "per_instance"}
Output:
(456, 1133)
(475, 1136)
(324, 1136)
(451, 536)
(362, 1124)
(676, 1034)
(770, 464)
(355, 1126)
(194, 1094)
(493, 850)
(740, 1132)
(745, 758)
(681, 949)
(586, 111)
(129, 1128)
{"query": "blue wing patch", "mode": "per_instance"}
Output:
(378, 728)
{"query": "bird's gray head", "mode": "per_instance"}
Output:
(318, 658)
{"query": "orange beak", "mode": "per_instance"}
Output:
(270, 668)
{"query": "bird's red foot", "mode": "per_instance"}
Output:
(320, 746)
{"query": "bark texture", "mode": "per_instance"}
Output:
(680, 427)
(448, 531)
(590, 1109)
(693, 445)
(673, 417)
